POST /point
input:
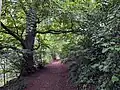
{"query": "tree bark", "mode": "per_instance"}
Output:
(28, 64)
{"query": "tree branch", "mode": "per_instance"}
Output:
(14, 22)
(10, 32)
(4, 32)
(57, 32)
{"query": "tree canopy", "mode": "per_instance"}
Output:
(86, 32)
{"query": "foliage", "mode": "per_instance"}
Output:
(93, 42)
(96, 58)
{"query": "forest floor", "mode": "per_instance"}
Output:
(53, 77)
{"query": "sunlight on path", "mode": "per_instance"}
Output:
(56, 63)
(54, 77)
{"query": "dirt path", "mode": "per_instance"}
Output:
(53, 77)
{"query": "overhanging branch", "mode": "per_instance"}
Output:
(10, 32)
(57, 32)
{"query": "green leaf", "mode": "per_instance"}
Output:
(115, 79)
(105, 50)
(117, 49)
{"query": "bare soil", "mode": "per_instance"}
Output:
(53, 77)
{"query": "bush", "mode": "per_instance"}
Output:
(96, 59)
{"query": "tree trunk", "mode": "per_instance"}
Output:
(28, 62)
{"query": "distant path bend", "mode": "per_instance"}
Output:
(53, 77)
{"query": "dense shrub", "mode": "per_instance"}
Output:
(96, 59)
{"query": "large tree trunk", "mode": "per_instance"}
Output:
(28, 63)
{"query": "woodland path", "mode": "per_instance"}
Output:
(53, 77)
